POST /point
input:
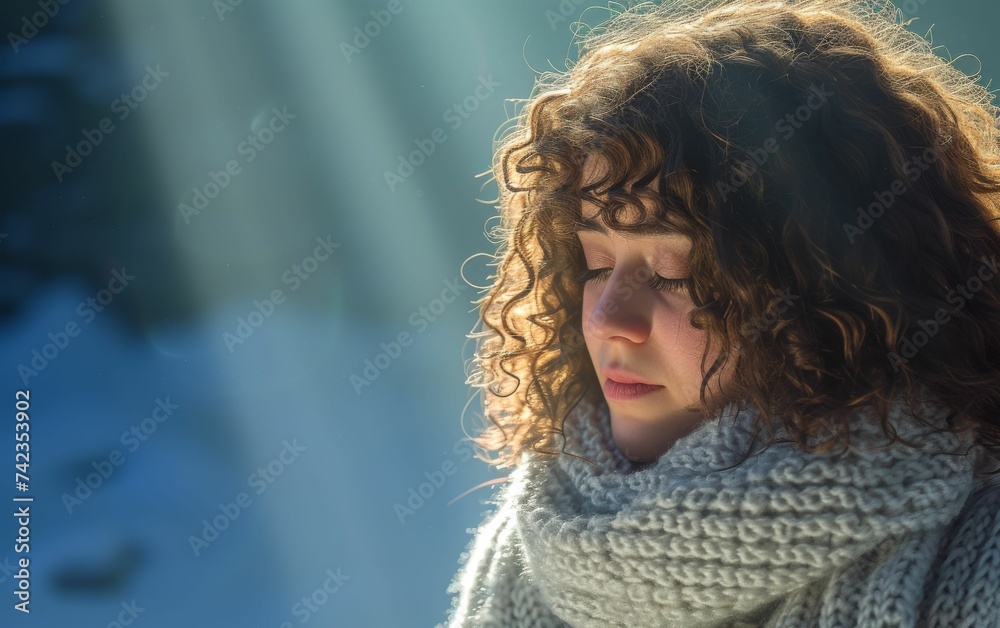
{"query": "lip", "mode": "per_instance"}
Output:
(624, 377)
(624, 386)
(617, 391)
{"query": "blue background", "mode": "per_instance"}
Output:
(362, 452)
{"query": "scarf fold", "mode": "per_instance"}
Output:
(787, 537)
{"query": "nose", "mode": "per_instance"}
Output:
(622, 309)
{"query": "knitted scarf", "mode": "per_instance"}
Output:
(862, 537)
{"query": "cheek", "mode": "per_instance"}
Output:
(681, 350)
(591, 301)
(679, 344)
(590, 298)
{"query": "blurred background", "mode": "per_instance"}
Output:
(237, 241)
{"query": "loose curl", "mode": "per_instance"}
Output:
(684, 103)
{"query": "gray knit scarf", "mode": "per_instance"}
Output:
(862, 537)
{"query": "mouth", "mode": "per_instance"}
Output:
(621, 385)
(619, 391)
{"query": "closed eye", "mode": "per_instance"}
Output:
(663, 284)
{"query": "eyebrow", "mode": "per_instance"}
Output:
(592, 224)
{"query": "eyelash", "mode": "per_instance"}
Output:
(662, 284)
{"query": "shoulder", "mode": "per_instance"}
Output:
(493, 585)
(980, 518)
(967, 584)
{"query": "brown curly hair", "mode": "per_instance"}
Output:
(807, 147)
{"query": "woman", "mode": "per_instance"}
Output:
(743, 350)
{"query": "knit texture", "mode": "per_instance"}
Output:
(876, 535)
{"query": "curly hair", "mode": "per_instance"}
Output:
(817, 153)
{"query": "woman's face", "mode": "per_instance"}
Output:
(639, 325)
